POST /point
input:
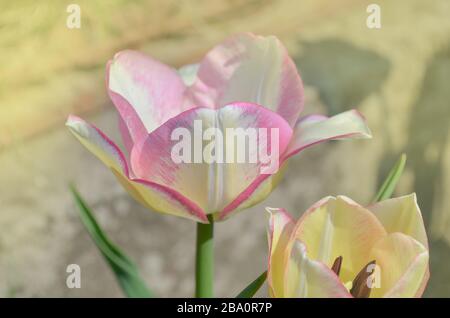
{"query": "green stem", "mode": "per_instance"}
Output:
(204, 267)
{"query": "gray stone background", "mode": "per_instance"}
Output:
(397, 76)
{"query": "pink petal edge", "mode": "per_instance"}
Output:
(191, 207)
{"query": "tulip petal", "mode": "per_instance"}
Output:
(336, 227)
(314, 129)
(152, 158)
(280, 229)
(308, 278)
(188, 73)
(402, 215)
(97, 143)
(145, 92)
(152, 195)
(252, 69)
(210, 182)
(403, 266)
(256, 192)
(310, 130)
(126, 136)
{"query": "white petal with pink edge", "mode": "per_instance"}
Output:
(152, 195)
(145, 92)
(314, 129)
(211, 184)
(253, 69)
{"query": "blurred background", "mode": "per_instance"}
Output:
(398, 76)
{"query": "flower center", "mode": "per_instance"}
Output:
(360, 287)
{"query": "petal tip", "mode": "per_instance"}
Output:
(74, 123)
(278, 215)
(78, 126)
(272, 211)
(71, 119)
(366, 133)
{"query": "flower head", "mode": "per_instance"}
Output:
(341, 249)
(245, 82)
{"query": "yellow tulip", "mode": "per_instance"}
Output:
(341, 249)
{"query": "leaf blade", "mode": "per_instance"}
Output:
(125, 270)
(253, 287)
(389, 184)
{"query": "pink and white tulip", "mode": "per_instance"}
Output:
(246, 81)
(329, 251)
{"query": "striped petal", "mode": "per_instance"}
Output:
(403, 266)
(308, 278)
(251, 69)
(200, 171)
(314, 129)
(152, 195)
(145, 92)
(280, 229)
(402, 215)
(336, 227)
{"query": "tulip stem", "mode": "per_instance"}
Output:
(204, 267)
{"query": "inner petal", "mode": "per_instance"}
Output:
(339, 227)
(209, 170)
(403, 264)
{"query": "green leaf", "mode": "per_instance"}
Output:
(390, 183)
(254, 286)
(125, 270)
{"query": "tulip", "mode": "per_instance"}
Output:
(246, 81)
(341, 249)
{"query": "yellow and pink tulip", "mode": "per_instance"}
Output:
(246, 81)
(341, 249)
